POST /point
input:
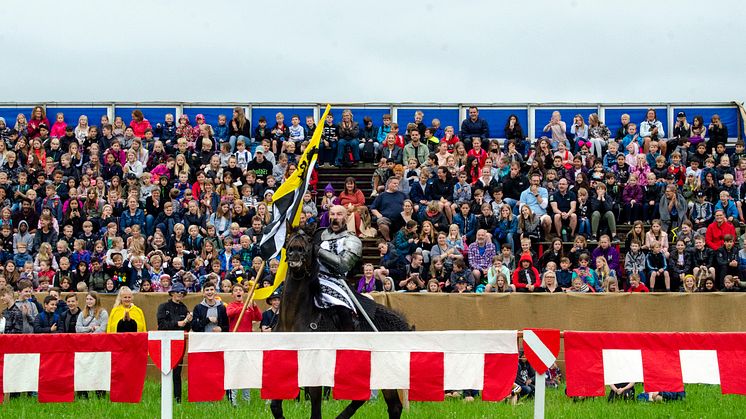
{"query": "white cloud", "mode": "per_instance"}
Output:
(434, 51)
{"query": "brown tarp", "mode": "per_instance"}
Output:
(655, 312)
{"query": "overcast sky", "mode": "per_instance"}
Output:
(367, 51)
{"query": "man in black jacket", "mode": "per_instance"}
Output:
(174, 315)
(210, 314)
(474, 126)
(69, 318)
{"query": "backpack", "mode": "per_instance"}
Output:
(369, 152)
(347, 158)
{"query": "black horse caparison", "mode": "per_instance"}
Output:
(298, 313)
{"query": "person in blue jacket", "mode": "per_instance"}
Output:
(466, 222)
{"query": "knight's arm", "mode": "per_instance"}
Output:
(346, 260)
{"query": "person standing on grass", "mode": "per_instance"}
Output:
(48, 320)
(251, 314)
(125, 316)
(174, 315)
(13, 315)
(69, 318)
(93, 318)
(210, 314)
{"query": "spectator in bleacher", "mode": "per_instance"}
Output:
(563, 204)
(387, 206)
(515, 183)
(38, 119)
(329, 139)
(718, 229)
(472, 127)
(651, 129)
(558, 128)
(240, 127)
(415, 149)
(601, 207)
(727, 259)
(448, 253)
(621, 132)
(407, 240)
(441, 190)
(481, 252)
(718, 132)
(383, 130)
(349, 134)
(673, 208)
(608, 252)
(139, 124)
(390, 150)
(513, 130)
(414, 274)
(537, 198)
(466, 221)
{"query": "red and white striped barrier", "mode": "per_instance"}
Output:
(425, 363)
(58, 365)
(662, 361)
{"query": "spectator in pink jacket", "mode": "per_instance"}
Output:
(139, 124)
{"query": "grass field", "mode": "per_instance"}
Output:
(701, 402)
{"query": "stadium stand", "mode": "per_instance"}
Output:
(94, 222)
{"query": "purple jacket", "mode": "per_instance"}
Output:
(611, 254)
(632, 192)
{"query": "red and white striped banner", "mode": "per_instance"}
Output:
(662, 361)
(425, 363)
(58, 365)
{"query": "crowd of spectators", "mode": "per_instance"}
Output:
(150, 205)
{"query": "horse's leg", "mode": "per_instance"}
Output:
(351, 409)
(393, 402)
(315, 394)
(276, 407)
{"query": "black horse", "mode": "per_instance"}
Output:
(298, 313)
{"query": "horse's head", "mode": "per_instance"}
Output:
(299, 253)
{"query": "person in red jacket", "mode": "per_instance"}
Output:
(526, 277)
(38, 118)
(717, 230)
(635, 285)
(139, 124)
(252, 314)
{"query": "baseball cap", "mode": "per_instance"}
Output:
(259, 149)
(680, 114)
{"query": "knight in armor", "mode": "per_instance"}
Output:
(338, 251)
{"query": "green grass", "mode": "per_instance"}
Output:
(701, 402)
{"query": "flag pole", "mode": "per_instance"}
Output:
(539, 396)
(249, 297)
(358, 305)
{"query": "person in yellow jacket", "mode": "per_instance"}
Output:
(125, 316)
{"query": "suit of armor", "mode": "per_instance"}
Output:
(338, 253)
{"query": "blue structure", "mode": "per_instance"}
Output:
(533, 117)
